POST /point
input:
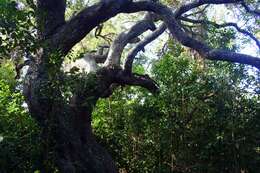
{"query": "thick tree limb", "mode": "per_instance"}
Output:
(178, 33)
(80, 25)
(140, 46)
(185, 8)
(108, 79)
(118, 76)
(230, 24)
(50, 16)
(216, 54)
(136, 80)
(198, 12)
(89, 18)
(124, 38)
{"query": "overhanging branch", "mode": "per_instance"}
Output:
(140, 46)
(124, 38)
(198, 12)
(137, 80)
(178, 33)
(229, 24)
(185, 8)
(222, 55)
(85, 21)
(108, 79)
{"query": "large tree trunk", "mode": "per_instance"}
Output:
(76, 147)
(67, 139)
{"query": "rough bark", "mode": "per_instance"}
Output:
(67, 132)
(50, 16)
(76, 148)
(66, 127)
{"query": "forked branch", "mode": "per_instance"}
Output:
(78, 27)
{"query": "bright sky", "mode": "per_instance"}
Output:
(220, 13)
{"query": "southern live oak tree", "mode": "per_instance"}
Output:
(68, 142)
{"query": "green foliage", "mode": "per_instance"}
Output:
(221, 38)
(18, 132)
(16, 28)
(203, 120)
(7, 73)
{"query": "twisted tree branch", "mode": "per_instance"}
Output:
(86, 20)
(90, 17)
(185, 8)
(230, 24)
(124, 38)
(140, 46)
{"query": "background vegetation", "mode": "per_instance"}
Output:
(205, 119)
